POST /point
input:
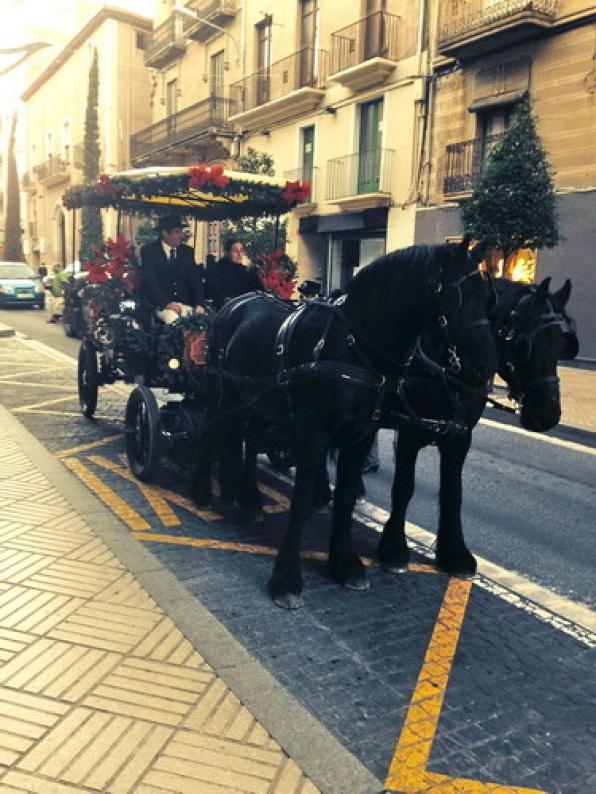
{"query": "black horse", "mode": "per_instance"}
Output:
(532, 332)
(323, 372)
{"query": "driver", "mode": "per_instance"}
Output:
(171, 279)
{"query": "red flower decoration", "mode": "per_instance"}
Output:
(106, 185)
(203, 175)
(277, 273)
(295, 192)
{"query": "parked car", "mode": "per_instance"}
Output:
(72, 316)
(19, 286)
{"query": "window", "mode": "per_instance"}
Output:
(308, 154)
(309, 40)
(263, 61)
(140, 40)
(171, 105)
(66, 145)
(369, 160)
(213, 233)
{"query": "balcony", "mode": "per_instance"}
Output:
(52, 172)
(364, 53)
(360, 181)
(166, 43)
(464, 162)
(468, 28)
(29, 182)
(191, 125)
(289, 87)
(216, 12)
(309, 175)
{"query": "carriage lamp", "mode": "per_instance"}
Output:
(173, 363)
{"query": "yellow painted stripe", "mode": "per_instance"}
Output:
(64, 453)
(65, 413)
(407, 772)
(159, 505)
(282, 503)
(41, 385)
(171, 496)
(24, 408)
(27, 371)
(134, 520)
(557, 442)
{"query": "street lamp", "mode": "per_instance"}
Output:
(26, 49)
(189, 12)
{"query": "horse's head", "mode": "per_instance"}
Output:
(461, 302)
(532, 336)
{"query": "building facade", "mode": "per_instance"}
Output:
(54, 120)
(489, 56)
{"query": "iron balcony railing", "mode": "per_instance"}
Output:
(308, 174)
(166, 41)
(462, 17)
(464, 162)
(375, 36)
(307, 67)
(362, 172)
(52, 167)
(218, 12)
(181, 127)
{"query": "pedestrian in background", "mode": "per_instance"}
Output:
(230, 277)
(59, 281)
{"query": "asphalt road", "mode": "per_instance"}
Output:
(529, 504)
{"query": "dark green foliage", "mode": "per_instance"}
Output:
(91, 228)
(13, 247)
(513, 203)
(257, 234)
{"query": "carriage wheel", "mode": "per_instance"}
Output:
(143, 433)
(88, 379)
(281, 459)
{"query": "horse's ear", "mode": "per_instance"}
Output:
(477, 253)
(562, 295)
(543, 288)
(462, 248)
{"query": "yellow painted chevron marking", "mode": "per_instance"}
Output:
(25, 408)
(66, 453)
(134, 520)
(151, 493)
(408, 773)
(41, 385)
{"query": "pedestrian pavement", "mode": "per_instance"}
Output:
(100, 690)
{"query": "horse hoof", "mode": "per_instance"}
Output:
(357, 583)
(288, 601)
(399, 568)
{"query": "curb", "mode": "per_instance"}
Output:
(330, 766)
(6, 330)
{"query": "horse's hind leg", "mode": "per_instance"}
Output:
(285, 584)
(452, 555)
(200, 487)
(248, 495)
(344, 564)
(393, 551)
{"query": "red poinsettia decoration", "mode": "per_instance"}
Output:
(113, 263)
(106, 185)
(295, 192)
(277, 273)
(203, 175)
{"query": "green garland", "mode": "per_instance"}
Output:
(169, 352)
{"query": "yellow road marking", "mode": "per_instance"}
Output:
(66, 413)
(134, 520)
(558, 442)
(171, 496)
(41, 385)
(84, 447)
(27, 372)
(159, 505)
(408, 773)
(25, 408)
(283, 503)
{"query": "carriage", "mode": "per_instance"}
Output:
(121, 339)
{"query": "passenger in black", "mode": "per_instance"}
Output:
(229, 276)
(171, 282)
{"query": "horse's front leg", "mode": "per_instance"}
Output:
(285, 584)
(344, 564)
(393, 551)
(248, 496)
(452, 554)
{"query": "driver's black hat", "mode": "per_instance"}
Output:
(171, 222)
(309, 288)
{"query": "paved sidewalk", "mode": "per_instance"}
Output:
(99, 689)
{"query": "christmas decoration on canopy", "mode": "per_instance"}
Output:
(277, 273)
(203, 191)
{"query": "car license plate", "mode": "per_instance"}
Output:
(25, 295)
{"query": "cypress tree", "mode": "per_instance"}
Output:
(513, 203)
(13, 246)
(91, 229)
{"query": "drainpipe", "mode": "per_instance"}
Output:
(431, 80)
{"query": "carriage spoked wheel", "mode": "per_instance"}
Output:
(143, 433)
(87, 379)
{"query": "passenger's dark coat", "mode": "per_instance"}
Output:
(227, 279)
(164, 281)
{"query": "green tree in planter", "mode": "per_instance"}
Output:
(13, 246)
(513, 203)
(91, 229)
(257, 234)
